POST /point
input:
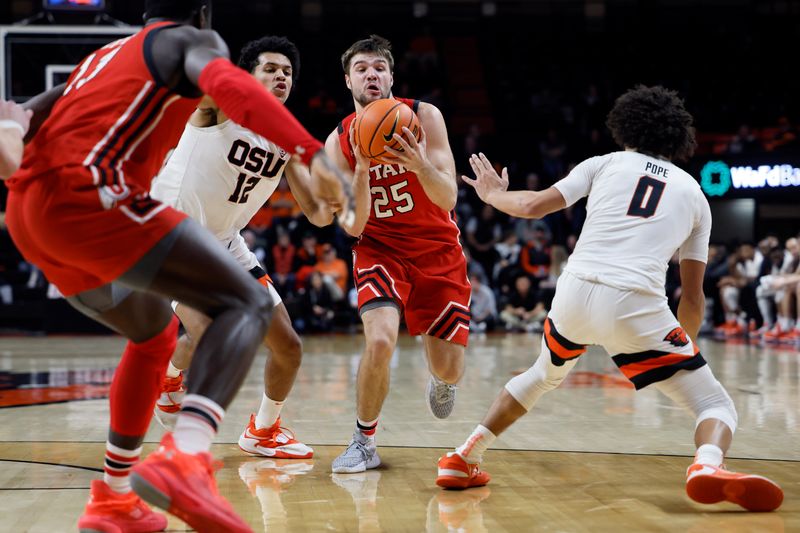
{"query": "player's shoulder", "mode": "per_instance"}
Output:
(186, 35)
(333, 139)
(426, 110)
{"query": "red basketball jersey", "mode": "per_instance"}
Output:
(402, 217)
(117, 119)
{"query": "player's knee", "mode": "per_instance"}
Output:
(260, 304)
(718, 405)
(290, 350)
(699, 392)
(527, 387)
(380, 348)
(448, 369)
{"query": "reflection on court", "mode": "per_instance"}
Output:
(592, 456)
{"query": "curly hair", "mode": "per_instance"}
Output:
(654, 121)
(375, 45)
(248, 57)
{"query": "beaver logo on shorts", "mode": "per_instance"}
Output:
(677, 337)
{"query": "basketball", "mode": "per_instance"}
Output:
(378, 122)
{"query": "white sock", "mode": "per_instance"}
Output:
(477, 443)
(173, 371)
(269, 412)
(730, 317)
(708, 454)
(789, 324)
(368, 428)
(117, 467)
(783, 323)
(197, 424)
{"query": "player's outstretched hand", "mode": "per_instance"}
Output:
(412, 153)
(15, 113)
(334, 187)
(486, 179)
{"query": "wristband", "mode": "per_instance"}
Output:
(12, 124)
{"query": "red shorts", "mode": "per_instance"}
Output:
(77, 241)
(433, 292)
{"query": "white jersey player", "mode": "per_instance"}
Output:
(221, 174)
(641, 209)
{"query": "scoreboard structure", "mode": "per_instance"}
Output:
(36, 58)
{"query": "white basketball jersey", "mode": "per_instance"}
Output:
(640, 210)
(220, 176)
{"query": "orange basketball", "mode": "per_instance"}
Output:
(378, 122)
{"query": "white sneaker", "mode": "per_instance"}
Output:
(361, 454)
(441, 397)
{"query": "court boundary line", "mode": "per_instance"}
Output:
(387, 447)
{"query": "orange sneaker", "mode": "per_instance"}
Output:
(169, 403)
(275, 441)
(456, 473)
(112, 512)
(184, 485)
(774, 334)
(709, 484)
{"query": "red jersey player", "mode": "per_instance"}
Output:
(408, 259)
(79, 209)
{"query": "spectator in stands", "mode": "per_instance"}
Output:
(785, 139)
(553, 152)
(283, 205)
(483, 306)
(507, 263)
(535, 255)
(283, 253)
(482, 233)
(780, 291)
(334, 272)
(253, 244)
(744, 142)
(547, 286)
(523, 312)
(316, 309)
(737, 289)
(305, 260)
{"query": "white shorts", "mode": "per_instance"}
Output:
(638, 330)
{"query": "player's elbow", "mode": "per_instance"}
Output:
(321, 218)
(693, 299)
(531, 209)
(356, 229)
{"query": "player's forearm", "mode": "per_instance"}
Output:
(363, 203)
(41, 105)
(247, 103)
(439, 186)
(11, 149)
(520, 204)
(690, 314)
(299, 182)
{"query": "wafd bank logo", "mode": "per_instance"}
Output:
(717, 177)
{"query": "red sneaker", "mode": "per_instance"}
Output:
(456, 473)
(709, 484)
(112, 512)
(774, 334)
(275, 441)
(172, 392)
(184, 485)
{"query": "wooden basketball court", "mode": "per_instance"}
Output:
(592, 456)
